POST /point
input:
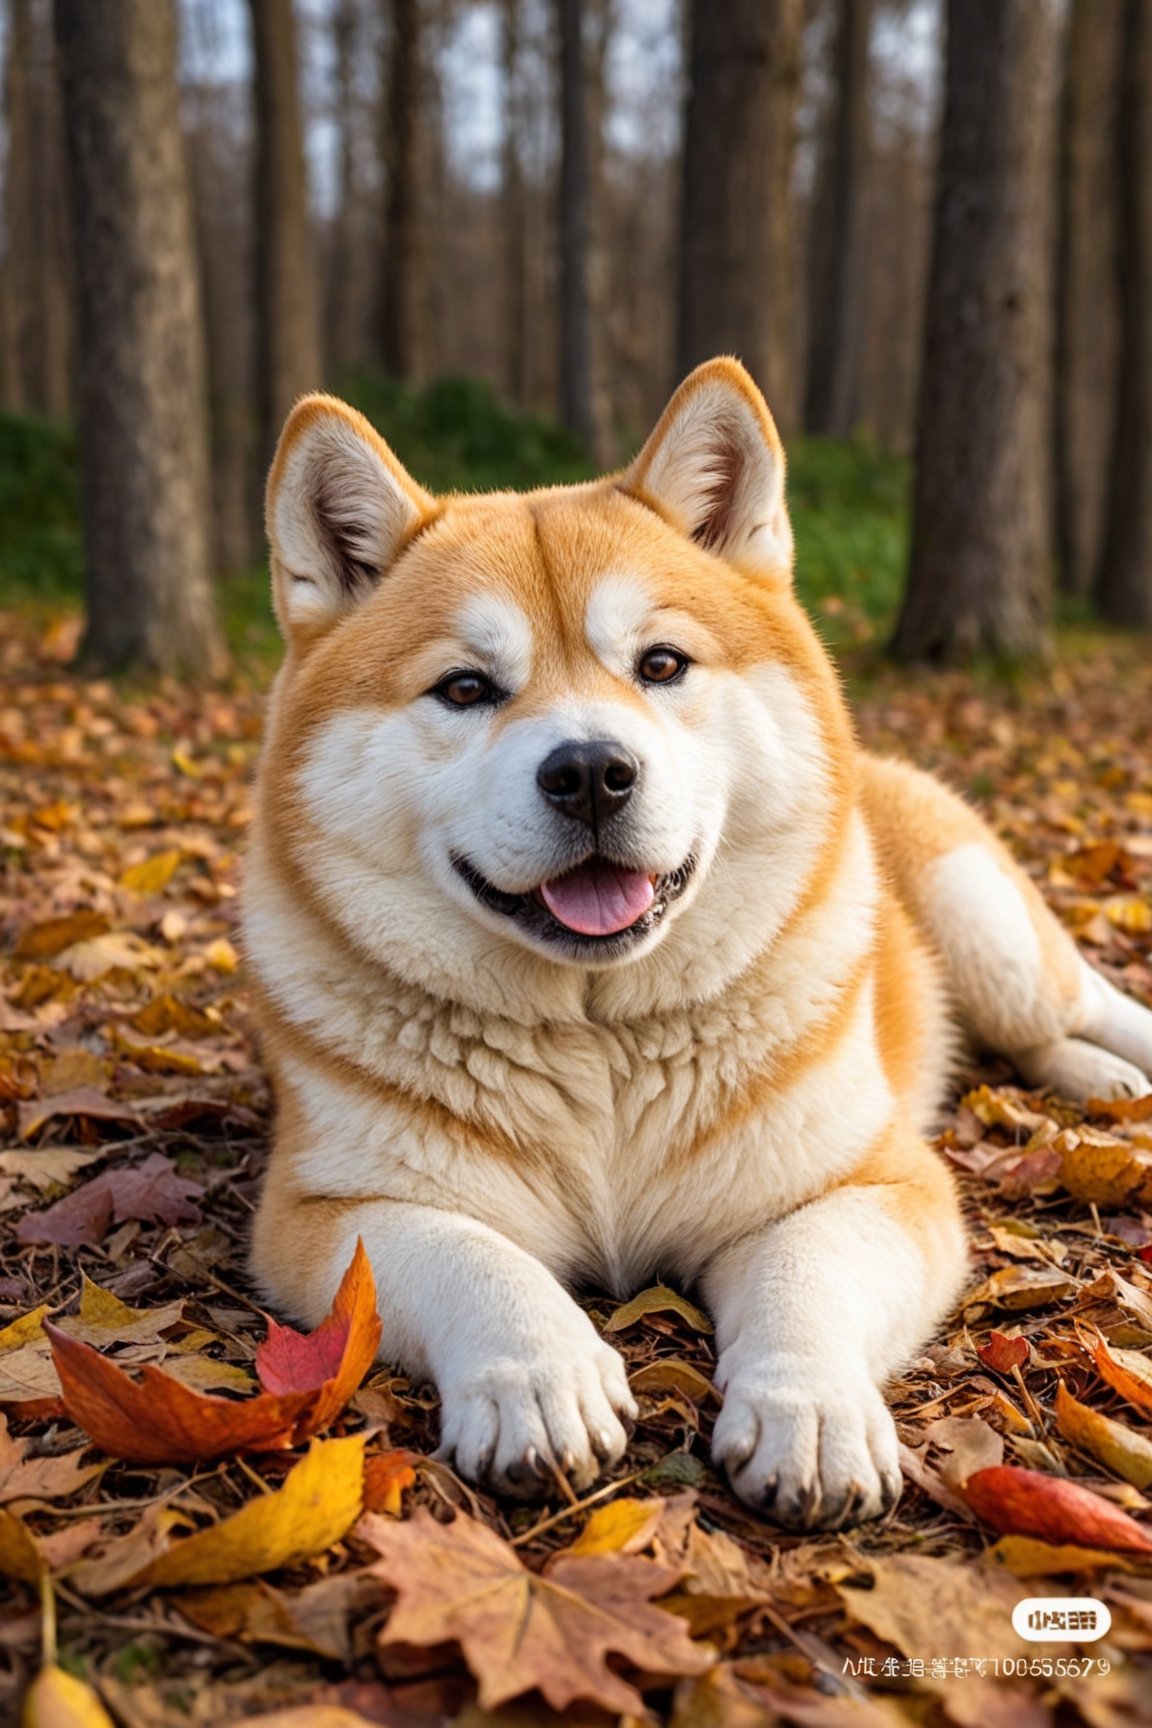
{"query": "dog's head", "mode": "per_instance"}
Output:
(553, 723)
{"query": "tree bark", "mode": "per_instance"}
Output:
(1125, 589)
(141, 402)
(583, 407)
(288, 360)
(514, 236)
(1087, 312)
(737, 220)
(833, 403)
(402, 332)
(980, 574)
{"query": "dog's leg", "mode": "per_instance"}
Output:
(812, 1314)
(1015, 975)
(525, 1382)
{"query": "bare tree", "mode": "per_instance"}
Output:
(838, 281)
(980, 572)
(140, 359)
(583, 42)
(737, 250)
(1087, 310)
(402, 331)
(287, 321)
(1125, 588)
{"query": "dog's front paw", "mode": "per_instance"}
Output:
(513, 1420)
(808, 1450)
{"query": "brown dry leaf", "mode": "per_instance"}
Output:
(657, 1300)
(118, 951)
(51, 937)
(1002, 1353)
(1124, 1451)
(46, 1166)
(153, 1191)
(460, 1583)
(46, 1477)
(29, 1382)
(20, 1557)
(1101, 1170)
(719, 1588)
(318, 1618)
(968, 1609)
(85, 1103)
(1019, 1287)
(967, 1444)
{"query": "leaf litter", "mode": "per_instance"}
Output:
(209, 1517)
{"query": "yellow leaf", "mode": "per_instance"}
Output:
(622, 1527)
(1028, 1557)
(672, 1375)
(658, 1300)
(19, 1555)
(1121, 1448)
(221, 955)
(185, 765)
(1128, 912)
(57, 1699)
(318, 1503)
(26, 1330)
(152, 875)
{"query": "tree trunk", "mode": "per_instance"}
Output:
(1087, 310)
(513, 214)
(141, 408)
(838, 312)
(401, 321)
(16, 306)
(979, 579)
(736, 246)
(1125, 589)
(287, 323)
(583, 408)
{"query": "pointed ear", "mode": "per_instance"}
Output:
(714, 467)
(339, 510)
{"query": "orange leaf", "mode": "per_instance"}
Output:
(1002, 1353)
(157, 1420)
(334, 1359)
(385, 1478)
(1020, 1502)
(1127, 1372)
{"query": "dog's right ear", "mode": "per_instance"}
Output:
(340, 509)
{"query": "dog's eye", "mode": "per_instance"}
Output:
(662, 666)
(466, 690)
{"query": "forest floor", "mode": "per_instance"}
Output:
(257, 1526)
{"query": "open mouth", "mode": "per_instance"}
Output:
(597, 904)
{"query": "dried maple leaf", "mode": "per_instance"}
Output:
(520, 1632)
(1020, 1502)
(158, 1420)
(1127, 1372)
(153, 1192)
(1001, 1353)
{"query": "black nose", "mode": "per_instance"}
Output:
(590, 781)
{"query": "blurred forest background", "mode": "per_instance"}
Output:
(505, 228)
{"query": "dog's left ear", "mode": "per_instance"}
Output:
(714, 467)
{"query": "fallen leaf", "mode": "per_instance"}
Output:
(83, 1103)
(1103, 1171)
(670, 1375)
(1027, 1557)
(967, 1609)
(317, 1619)
(1017, 1287)
(519, 1631)
(51, 937)
(43, 1477)
(1001, 1353)
(1124, 1451)
(158, 1420)
(152, 875)
(386, 1476)
(318, 1503)
(57, 1699)
(1127, 1372)
(46, 1166)
(152, 1191)
(657, 1300)
(624, 1526)
(118, 951)
(1020, 1502)
(966, 1444)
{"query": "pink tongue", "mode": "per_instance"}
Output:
(598, 899)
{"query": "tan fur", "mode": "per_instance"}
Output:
(766, 1060)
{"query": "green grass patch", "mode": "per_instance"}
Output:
(849, 505)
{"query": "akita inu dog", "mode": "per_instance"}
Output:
(590, 946)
